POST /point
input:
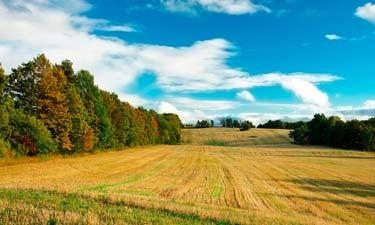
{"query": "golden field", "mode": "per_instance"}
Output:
(217, 176)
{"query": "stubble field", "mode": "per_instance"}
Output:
(217, 176)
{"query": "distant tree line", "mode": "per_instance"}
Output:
(204, 124)
(230, 122)
(226, 122)
(47, 108)
(278, 124)
(334, 132)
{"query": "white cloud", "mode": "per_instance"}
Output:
(307, 92)
(366, 12)
(333, 37)
(245, 95)
(166, 107)
(206, 105)
(259, 118)
(187, 116)
(201, 67)
(119, 28)
(232, 7)
(369, 104)
(133, 99)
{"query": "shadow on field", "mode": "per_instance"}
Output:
(335, 201)
(336, 187)
(323, 156)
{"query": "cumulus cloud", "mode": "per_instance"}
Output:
(232, 7)
(166, 107)
(366, 12)
(25, 32)
(187, 116)
(245, 95)
(333, 37)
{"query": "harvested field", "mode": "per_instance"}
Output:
(196, 184)
(234, 137)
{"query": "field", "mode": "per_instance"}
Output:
(232, 137)
(217, 176)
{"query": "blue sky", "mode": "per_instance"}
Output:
(203, 59)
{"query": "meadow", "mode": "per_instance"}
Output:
(216, 176)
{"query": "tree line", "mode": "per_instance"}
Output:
(334, 132)
(278, 124)
(226, 122)
(46, 108)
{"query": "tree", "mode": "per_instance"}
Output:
(236, 124)
(334, 132)
(36, 87)
(229, 122)
(203, 124)
(96, 110)
(5, 105)
(246, 125)
(67, 67)
(300, 135)
(29, 135)
(273, 124)
(45, 108)
(116, 114)
(318, 128)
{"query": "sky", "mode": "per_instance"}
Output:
(205, 59)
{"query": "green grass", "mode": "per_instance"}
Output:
(217, 191)
(215, 143)
(104, 188)
(46, 207)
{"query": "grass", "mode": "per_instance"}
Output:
(46, 207)
(198, 183)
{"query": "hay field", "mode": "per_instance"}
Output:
(233, 137)
(193, 184)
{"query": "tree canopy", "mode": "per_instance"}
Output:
(334, 132)
(48, 108)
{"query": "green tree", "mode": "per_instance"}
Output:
(246, 125)
(29, 135)
(300, 135)
(5, 105)
(97, 112)
(236, 124)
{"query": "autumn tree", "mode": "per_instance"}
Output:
(45, 108)
(36, 90)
